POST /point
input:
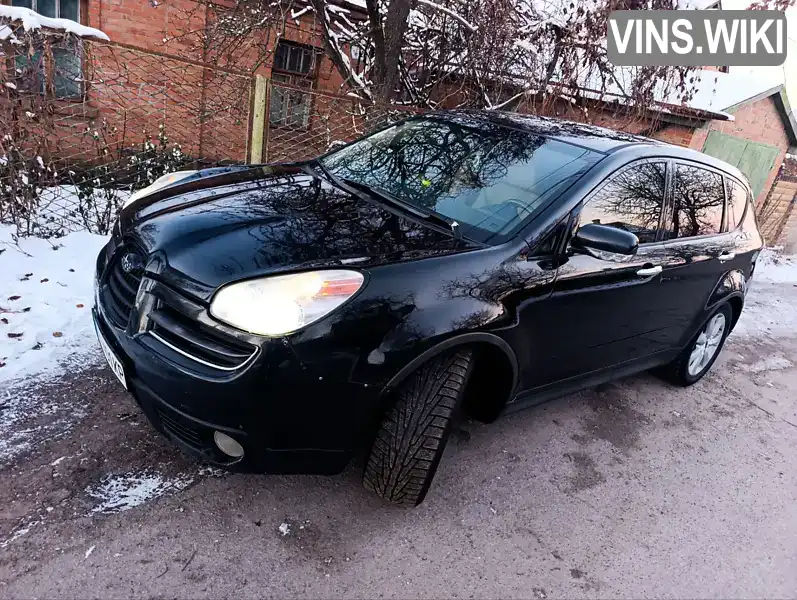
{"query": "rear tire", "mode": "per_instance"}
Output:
(687, 369)
(413, 434)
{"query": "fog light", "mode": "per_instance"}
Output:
(228, 445)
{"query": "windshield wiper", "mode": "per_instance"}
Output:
(313, 166)
(389, 198)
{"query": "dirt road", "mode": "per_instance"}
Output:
(633, 489)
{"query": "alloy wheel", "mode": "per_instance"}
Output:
(707, 344)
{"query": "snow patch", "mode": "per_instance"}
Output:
(284, 529)
(776, 268)
(29, 419)
(51, 283)
(770, 363)
(118, 493)
(32, 20)
(18, 533)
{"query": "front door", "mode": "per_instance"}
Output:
(606, 309)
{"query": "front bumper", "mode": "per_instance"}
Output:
(288, 417)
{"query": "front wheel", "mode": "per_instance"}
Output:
(699, 355)
(414, 432)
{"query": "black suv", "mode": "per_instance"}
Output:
(281, 318)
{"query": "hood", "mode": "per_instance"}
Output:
(264, 220)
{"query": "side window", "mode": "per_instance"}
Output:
(737, 201)
(698, 200)
(630, 200)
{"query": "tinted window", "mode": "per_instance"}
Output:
(487, 177)
(698, 201)
(630, 200)
(737, 201)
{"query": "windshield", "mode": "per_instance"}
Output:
(488, 178)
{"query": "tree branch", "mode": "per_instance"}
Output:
(449, 12)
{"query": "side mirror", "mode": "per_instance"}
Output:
(607, 239)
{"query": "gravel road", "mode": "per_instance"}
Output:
(632, 489)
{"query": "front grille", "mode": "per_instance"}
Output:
(181, 430)
(120, 295)
(196, 341)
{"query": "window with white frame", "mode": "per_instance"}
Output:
(67, 64)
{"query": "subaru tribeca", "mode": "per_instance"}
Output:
(282, 318)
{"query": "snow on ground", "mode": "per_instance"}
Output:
(768, 310)
(121, 492)
(776, 268)
(46, 295)
(117, 493)
(28, 419)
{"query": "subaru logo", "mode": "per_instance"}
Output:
(132, 263)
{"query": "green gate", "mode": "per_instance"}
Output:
(753, 159)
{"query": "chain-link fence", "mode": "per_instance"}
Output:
(301, 123)
(84, 123)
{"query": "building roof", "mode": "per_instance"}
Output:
(726, 92)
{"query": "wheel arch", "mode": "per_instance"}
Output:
(730, 288)
(491, 348)
(737, 303)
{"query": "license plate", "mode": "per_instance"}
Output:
(113, 361)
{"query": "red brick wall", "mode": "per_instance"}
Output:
(758, 122)
(680, 135)
(135, 92)
(164, 28)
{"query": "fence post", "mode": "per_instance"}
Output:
(258, 120)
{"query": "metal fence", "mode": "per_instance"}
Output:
(295, 123)
(83, 124)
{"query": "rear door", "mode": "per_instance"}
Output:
(699, 249)
(606, 309)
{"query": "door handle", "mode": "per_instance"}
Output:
(726, 256)
(650, 271)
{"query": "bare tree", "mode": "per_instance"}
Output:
(537, 55)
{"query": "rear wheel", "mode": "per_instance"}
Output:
(699, 355)
(414, 432)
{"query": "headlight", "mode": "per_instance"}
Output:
(160, 183)
(284, 303)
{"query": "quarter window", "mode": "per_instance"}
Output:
(737, 201)
(632, 200)
(698, 201)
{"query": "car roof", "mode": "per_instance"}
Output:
(592, 137)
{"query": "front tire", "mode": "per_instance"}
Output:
(697, 358)
(413, 434)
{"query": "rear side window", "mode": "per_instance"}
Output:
(737, 201)
(631, 200)
(698, 200)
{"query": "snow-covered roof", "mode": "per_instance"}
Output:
(32, 20)
(715, 91)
